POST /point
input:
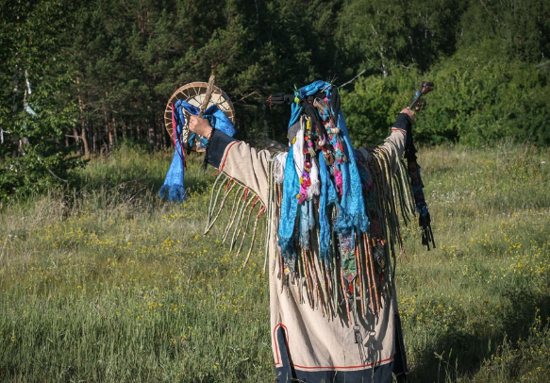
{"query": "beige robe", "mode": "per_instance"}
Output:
(314, 347)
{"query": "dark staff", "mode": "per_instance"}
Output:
(424, 219)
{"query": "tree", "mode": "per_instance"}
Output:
(521, 27)
(383, 35)
(482, 99)
(36, 104)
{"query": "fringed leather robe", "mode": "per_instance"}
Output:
(309, 343)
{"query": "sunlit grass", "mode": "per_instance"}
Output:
(105, 282)
(488, 281)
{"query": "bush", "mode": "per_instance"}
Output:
(479, 98)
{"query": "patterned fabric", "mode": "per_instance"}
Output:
(322, 153)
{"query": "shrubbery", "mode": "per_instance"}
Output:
(477, 100)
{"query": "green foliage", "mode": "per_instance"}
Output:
(101, 71)
(37, 108)
(482, 99)
(520, 27)
(372, 106)
(136, 54)
(477, 100)
(382, 36)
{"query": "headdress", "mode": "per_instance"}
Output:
(321, 169)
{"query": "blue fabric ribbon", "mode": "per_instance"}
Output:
(327, 197)
(351, 208)
(173, 187)
(289, 207)
(307, 223)
(308, 90)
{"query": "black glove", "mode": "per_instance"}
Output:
(404, 122)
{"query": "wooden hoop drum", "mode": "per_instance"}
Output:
(194, 93)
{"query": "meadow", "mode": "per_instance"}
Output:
(106, 282)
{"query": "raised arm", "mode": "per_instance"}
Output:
(235, 158)
(399, 131)
(396, 141)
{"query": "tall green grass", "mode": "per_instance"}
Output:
(105, 282)
(486, 289)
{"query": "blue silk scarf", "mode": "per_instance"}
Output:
(173, 187)
(350, 207)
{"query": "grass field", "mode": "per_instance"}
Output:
(105, 282)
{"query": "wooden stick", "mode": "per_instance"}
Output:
(208, 94)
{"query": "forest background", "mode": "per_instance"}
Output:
(82, 77)
(103, 281)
